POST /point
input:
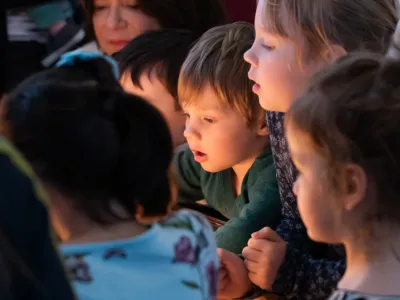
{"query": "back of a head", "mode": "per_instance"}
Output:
(216, 61)
(351, 24)
(90, 140)
(161, 51)
(351, 114)
(197, 16)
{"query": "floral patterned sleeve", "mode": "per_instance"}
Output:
(200, 251)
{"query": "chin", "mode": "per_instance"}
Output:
(212, 168)
(320, 237)
(271, 105)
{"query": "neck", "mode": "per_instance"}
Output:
(71, 234)
(240, 170)
(72, 226)
(373, 270)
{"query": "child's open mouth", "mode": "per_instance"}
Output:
(199, 156)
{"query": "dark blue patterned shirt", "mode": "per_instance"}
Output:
(310, 270)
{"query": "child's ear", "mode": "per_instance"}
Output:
(355, 187)
(333, 53)
(262, 129)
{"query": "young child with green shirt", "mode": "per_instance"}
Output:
(229, 162)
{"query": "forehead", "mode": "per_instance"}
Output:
(123, 2)
(274, 17)
(300, 145)
(149, 82)
(206, 99)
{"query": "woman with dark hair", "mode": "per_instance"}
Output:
(104, 157)
(113, 23)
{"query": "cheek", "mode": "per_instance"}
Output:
(300, 191)
(140, 23)
(280, 81)
(176, 123)
(99, 22)
(307, 200)
(318, 212)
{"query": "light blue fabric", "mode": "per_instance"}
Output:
(70, 58)
(174, 260)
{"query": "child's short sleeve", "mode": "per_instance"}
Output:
(204, 249)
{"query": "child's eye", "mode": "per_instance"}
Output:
(133, 6)
(209, 120)
(186, 115)
(268, 47)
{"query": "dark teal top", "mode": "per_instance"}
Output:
(257, 206)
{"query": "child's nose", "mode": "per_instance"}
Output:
(250, 57)
(190, 132)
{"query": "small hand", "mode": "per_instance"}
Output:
(264, 255)
(233, 279)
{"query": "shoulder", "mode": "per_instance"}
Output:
(89, 47)
(187, 219)
(263, 170)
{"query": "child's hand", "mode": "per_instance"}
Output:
(233, 279)
(263, 257)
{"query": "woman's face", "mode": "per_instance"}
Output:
(116, 22)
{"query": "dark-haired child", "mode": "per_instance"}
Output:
(344, 138)
(150, 66)
(104, 157)
(229, 163)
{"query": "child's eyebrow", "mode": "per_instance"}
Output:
(212, 108)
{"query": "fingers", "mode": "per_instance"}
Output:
(221, 252)
(259, 245)
(223, 255)
(222, 274)
(223, 279)
(267, 234)
(252, 266)
(251, 253)
(230, 261)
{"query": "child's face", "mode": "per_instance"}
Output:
(278, 74)
(117, 22)
(318, 206)
(155, 93)
(219, 135)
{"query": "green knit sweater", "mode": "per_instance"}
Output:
(257, 206)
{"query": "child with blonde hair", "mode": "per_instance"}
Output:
(229, 161)
(294, 40)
